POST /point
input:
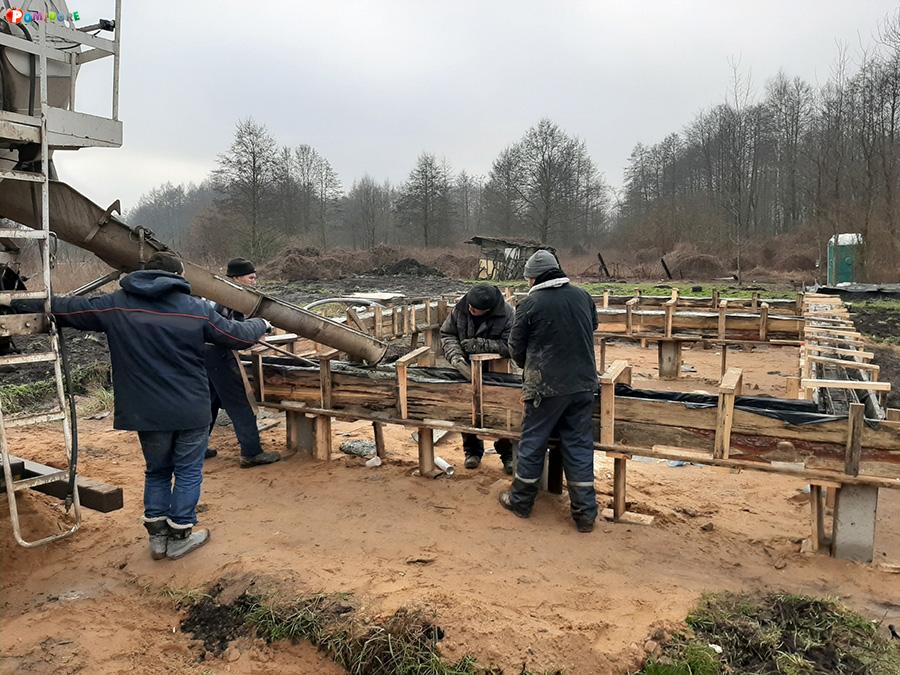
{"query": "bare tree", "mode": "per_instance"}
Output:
(245, 177)
(424, 203)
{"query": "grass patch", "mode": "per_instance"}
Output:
(405, 643)
(776, 633)
(878, 320)
(18, 398)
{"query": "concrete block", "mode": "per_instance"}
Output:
(855, 512)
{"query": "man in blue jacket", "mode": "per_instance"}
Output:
(552, 339)
(157, 334)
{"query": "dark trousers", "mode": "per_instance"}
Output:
(174, 474)
(472, 445)
(226, 390)
(569, 419)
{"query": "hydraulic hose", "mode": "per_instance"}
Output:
(73, 418)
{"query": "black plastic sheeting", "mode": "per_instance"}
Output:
(788, 411)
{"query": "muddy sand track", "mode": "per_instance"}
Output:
(505, 590)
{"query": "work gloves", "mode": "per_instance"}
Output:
(478, 345)
(482, 346)
(460, 364)
(269, 326)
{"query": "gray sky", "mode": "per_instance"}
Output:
(372, 84)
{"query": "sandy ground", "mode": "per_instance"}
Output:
(506, 590)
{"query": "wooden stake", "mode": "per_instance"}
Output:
(817, 518)
(426, 452)
(728, 389)
(855, 422)
(378, 429)
(723, 306)
(378, 318)
(792, 387)
(764, 322)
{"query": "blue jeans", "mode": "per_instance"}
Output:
(178, 455)
(226, 390)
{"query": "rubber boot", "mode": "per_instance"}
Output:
(158, 529)
(260, 459)
(182, 542)
(583, 503)
(520, 500)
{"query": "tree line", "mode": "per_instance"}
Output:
(815, 161)
(262, 196)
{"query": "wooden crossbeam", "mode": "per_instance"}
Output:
(812, 383)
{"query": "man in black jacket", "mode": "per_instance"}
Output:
(552, 339)
(156, 333)
(226, 386)
(479, 324)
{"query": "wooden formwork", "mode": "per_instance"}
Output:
(825, 451)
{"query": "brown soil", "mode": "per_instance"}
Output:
(505, 590)
(308, 264)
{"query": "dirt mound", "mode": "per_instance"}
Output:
(308, 264)
(695, 265)
(406, 267)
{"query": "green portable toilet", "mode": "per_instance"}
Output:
(843, 254)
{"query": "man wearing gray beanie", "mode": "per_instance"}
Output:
(479, 324)
(552, 340)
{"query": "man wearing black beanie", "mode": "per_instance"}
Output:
(226, 386)
(479, 324)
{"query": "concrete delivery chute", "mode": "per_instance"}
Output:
(77, 220)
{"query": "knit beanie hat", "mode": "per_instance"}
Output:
(165, 262)
(483, 296)
(540, 262)
(239, 267)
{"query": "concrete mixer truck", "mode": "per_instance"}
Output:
(43, 47)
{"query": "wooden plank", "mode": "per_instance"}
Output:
(855, 422)
(792, 387)
(813, 383)
(325, 382)
(426, 452)
(354, 320)
(477, 393)
(629, 315)
(764, 322)
(92, 494)
(620, 468)
(402, 391)
(728, 389)
(258, 378)
(670, 316)
(619, 371)
(723, 364)
(856, 353)
(412, 357)
(323, 438)
(658, 451)
(892, 414)
(723, 319)
(732, 381)
(844, 363)
(378, 319)
(817, 518)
